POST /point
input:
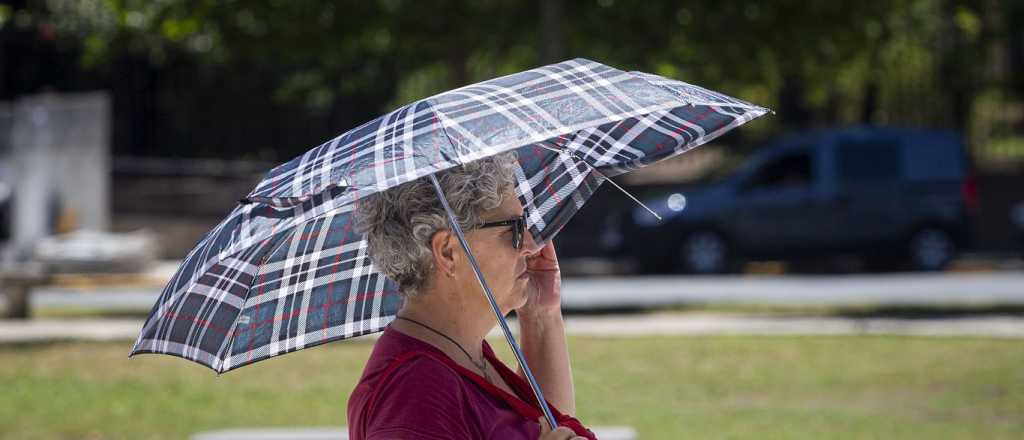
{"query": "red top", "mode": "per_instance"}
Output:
(412, 390)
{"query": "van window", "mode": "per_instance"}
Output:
(790, 170)
(869, 161)
(936, 156)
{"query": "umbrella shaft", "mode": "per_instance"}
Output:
(494, 306)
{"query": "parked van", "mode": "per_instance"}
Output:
(895, 197)
(1017, 218)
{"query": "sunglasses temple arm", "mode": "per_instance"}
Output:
(494, 307)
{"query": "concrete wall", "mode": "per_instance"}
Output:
(59, 161)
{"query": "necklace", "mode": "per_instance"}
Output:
(482, 366)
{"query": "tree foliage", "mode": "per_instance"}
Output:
(918, 62)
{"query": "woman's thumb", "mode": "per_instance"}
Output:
(544, 428)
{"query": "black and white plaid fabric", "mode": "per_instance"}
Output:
(286, 270)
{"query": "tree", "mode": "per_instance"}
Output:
(308, 70)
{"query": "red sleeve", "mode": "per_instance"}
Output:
(421, 399)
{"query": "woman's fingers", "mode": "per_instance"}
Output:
(560, 433)
(544, 428)
(545, 260)
(549, 250)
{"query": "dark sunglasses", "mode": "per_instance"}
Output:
(518, 225)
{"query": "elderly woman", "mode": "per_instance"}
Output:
(431, 374)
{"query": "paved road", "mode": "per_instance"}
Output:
(628, 325)
(943, 289)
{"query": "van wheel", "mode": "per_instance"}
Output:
(704, 252)
(931, 249)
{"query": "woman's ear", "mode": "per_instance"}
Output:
(442, 246)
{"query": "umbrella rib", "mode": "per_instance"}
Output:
(223, 357)
(606, 178)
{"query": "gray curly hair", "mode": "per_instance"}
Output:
(412, 210)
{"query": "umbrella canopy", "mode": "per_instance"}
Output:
(286, 269)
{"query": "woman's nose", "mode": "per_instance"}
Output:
(531, 246)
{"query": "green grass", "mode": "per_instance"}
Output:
(664, 387)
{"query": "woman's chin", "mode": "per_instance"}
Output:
(513, 303)
(523, 299)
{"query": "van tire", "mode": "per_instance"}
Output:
(704, 252)
(930, 249)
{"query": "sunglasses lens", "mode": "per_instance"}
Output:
(520, 230)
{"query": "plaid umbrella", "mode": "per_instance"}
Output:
(286, 270)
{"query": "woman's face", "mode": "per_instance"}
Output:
(503, 266)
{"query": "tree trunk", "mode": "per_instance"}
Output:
(792, 108)
(955, 70)
(869, 104)
(551, 45)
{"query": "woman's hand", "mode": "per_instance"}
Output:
(560, 433)
(544, 289)
(542, 330)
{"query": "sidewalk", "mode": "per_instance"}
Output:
(612, 293)
(1001, 326)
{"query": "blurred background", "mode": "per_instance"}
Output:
(179, 107)
(886, 191)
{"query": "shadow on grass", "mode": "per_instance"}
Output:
(40, 345)
(919, 312)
